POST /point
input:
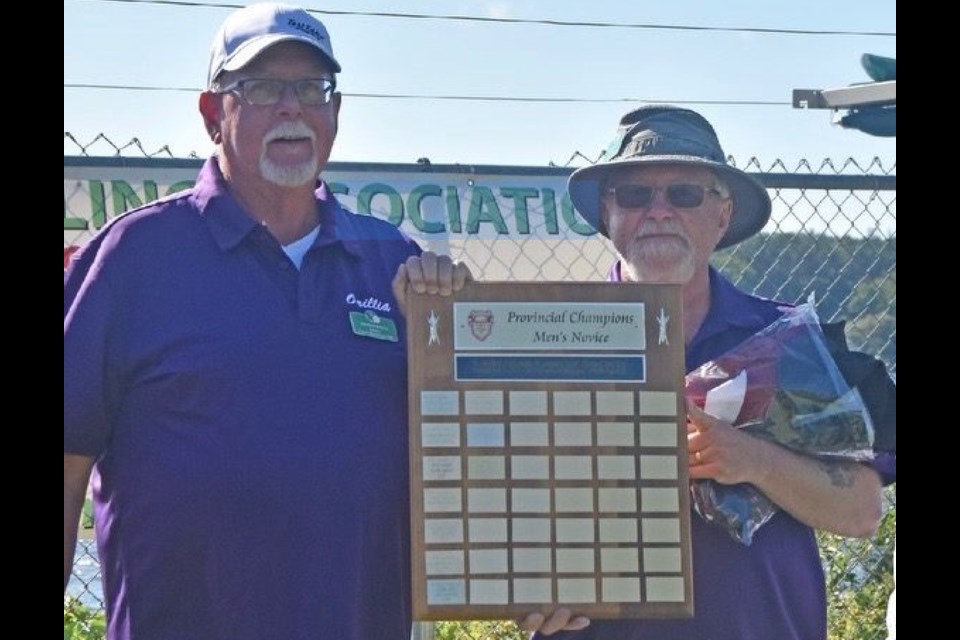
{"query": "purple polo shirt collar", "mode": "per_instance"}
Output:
(730, 308)
(229, 224)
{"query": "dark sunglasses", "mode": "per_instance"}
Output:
(681, 195)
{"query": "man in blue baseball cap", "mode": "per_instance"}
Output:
(235, 374)
(666, 198)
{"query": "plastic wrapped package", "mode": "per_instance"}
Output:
(783, 385)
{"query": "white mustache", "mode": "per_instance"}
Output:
(288, 130)
(661, 228)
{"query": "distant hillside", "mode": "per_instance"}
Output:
(853, 279)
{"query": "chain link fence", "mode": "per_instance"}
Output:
(832, 235)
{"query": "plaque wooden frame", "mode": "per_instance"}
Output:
(545, 467)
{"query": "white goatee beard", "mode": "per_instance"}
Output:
(289, 176)
(666, 259)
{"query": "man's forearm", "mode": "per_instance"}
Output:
(837, 496)
(76, 473)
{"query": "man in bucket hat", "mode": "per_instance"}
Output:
(245, 425)
(666, 198)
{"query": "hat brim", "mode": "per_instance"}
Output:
(250, 49)
(751, 203)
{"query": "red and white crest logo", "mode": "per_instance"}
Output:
(481, 323)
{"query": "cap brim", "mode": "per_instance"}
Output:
(751, 203)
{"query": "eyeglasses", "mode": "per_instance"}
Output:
(266, 92)
(680, 195)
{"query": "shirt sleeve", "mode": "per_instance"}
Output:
(87, 302)
(885, 463)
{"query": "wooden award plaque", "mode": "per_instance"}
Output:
(548, 458)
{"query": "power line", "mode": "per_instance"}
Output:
(389, 96)
(467, 98)
(541, 22)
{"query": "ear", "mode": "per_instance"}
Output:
(726, 215)
(337, 98)
(602, 215)
(210, 109)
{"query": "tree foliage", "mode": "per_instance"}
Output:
(852, 279)
(479, 630)
(81, 622)
(859, 581)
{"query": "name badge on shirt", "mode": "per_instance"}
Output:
(370, 325)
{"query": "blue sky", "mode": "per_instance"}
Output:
(149, 44)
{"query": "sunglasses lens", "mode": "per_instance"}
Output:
(638, 196)
(633, 196)
(685, 196)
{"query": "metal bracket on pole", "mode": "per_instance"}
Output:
(854, 96)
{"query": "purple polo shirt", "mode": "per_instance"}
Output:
(771, 590)
(250, 431)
